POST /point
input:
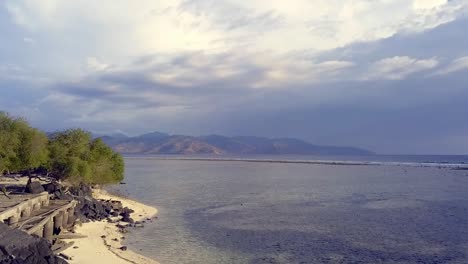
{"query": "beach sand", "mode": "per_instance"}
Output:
(95, 249)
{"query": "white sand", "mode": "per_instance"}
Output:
(95, 249)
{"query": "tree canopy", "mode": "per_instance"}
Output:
(71, 155)
(21, 146)
(75, 156)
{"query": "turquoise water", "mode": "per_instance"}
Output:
(242, 212)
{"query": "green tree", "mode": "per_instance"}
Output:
(21, 146)
(32, 151)
(75, 157)
(69, 153)
(9, 140)
(106, 165)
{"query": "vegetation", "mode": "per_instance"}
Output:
(71, 155)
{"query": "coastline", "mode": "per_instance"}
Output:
(95, 248)
(456, 165)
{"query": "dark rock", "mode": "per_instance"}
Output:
(34, 187)
(123, 248)
(138, 225)
(116, 205)
(51, 187)
(120, 226)
(127, 220)
(18, 247)
(82, 190)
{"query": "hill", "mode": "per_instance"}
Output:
(161, 143)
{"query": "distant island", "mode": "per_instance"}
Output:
(162, 143)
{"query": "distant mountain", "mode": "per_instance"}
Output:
(161, 143)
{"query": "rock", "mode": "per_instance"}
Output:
(120, 226)
(51, 187)
(82, 190)
(123, 248)
(116, 205)
(127, 220)
(34, 188)
(138, 225)
(18, 247)
(126, 212)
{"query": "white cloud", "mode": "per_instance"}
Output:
(455, 66)
(428, 4)
(147, 26)
(399, 67)
(94, 64)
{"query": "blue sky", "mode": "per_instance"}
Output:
(388, 75)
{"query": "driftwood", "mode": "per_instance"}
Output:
(71, 236)
(4, 191)
(61, 246)
(65, 256)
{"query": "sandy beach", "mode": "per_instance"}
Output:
(96, 248)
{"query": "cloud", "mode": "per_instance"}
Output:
(231, 16)
(331, 71)
(259, 25)
(397, 68)
(95, 65)
(456, 65)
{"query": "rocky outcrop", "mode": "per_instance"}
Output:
(17, 247)
(89, 208)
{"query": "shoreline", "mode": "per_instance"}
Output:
(103, 240)
(314, 162)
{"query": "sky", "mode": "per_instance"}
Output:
(387, 75)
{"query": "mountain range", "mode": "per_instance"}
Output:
(162, 143)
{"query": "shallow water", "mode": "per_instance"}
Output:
(239, 212)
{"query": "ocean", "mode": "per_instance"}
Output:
(404, 209)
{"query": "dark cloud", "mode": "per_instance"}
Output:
(446, 41)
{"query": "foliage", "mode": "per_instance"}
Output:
(8, 140)
(106, 165)
(69, 152)
(21, 146)
(74, 156)
(70, 155)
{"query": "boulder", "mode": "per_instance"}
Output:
(18, 247)
(34, 187)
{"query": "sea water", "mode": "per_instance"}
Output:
(255, 212)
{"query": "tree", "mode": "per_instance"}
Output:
(75, 157)
(32, 150)
(69, 152)
(21, 146)
(106, 165)
(69, 155)
(8, 141)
